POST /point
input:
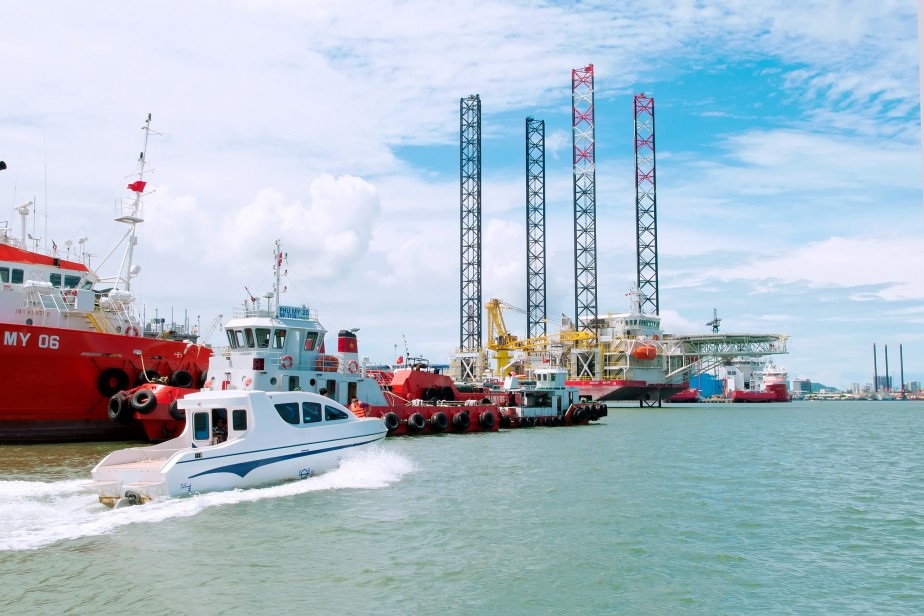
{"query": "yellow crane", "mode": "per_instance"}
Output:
(504, 344)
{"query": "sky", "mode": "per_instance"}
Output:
(789, 194)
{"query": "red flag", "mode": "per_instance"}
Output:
(400, 360)
(137, 186)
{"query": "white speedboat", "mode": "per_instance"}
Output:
(269, 437)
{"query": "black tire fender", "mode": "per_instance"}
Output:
(112, 381)
(439, 421)
(143, 401)
(416, 422)
(176, 412)
(391, 422)
(181, 378)
(461, 421)
(147, 376)
(118, 409)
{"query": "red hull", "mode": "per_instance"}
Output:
(773, 393)
(687, 395)
(423, 402)
(56, 387)
(611, 390)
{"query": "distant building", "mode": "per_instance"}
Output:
(884, 383)
(914, 386)
(801, 387)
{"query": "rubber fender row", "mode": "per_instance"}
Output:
(439, 421)
(113, 380)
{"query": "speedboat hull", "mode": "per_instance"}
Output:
(265, 445)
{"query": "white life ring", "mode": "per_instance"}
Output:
(286, 362)
(352, 366)
(131, 330)
(70, 296)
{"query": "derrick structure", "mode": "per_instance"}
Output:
(585, 211)
(470, 228)
(535, 229)
(646, 212)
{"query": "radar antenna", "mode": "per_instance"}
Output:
(714, 323)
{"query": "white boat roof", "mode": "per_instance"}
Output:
(230, 396)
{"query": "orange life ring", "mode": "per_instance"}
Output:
(352, 366)
(131, 330)
(286, 362)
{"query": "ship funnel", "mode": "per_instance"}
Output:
(348, 349)
(346, 342)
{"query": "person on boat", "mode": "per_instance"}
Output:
(220, 431)
(357, 407)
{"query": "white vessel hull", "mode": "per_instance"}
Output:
(269, 449)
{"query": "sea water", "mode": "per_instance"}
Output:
(802, 508)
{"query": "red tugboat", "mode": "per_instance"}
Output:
(71, 340)
(281, 348)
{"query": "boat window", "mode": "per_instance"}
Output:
(311, 339)
(239, 420)
(279, 339)
(87, 284)
(17, 277)
(201, 430)
(71, 282)
(55, 280)
(4, 274)
(248, 334)
(288, 411)
(263, 337)
(332, 414)
(311, 412)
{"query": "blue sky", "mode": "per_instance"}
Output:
(788, 145)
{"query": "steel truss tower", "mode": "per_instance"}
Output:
(470, 199)
(535, 229)
(585, 208)
(646, 211)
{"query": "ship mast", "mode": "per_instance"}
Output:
(277, 270)
(131, 215)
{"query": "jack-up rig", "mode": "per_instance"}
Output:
(609, 356)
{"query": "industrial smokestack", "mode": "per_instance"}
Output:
(875, 371)
(888, 383)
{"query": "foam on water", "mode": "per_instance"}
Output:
(36, 514)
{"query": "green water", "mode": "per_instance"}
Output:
(803, 508)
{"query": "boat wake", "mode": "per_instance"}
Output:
(36, 514)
